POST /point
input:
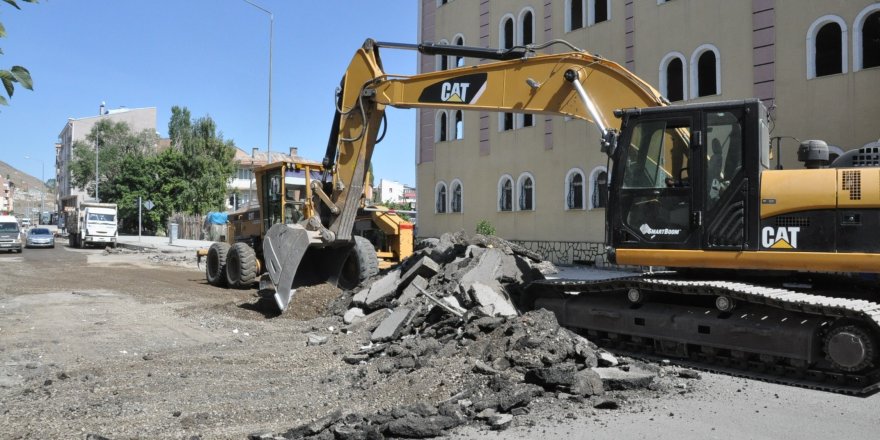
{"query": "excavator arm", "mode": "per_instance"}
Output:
(574, 83)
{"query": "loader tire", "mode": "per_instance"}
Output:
(360, 264)
(241, 266)
(215, 266)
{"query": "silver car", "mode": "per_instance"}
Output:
(40, 237)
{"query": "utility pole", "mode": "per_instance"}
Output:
(269, 130)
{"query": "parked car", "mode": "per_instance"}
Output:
(40, 237)
(10, 233)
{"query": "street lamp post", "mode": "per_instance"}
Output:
(42, 184)
(269, 129)
(98, 142)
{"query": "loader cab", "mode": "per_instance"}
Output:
(285, 192)
(687, 177)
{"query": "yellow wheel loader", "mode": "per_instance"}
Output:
(285, 192)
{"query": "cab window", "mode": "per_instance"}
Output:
(658, 155)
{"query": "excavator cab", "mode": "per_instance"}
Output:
(687, 177)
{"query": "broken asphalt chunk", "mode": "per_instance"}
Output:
(390, 328)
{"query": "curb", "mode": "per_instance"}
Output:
(136, 247)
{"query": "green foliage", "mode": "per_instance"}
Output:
(398, 206)
(16, 74)
(189, 177)
(209, 161)
(485, 228)
(115, 142)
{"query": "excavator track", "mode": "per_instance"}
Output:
(771, 334)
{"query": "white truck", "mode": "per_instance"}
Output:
(92, 224)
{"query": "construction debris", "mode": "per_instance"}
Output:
(456, 297)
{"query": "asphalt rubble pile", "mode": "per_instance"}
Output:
(457, 297)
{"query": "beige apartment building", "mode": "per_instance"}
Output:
(76, 129)
(541, 180)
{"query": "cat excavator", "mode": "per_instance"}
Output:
(771, 272)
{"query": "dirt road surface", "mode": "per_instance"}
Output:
(138, 346)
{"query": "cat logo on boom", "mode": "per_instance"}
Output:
(454, 92)
(780, 238)
(464, 89)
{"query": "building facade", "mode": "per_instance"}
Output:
(541, 181)
(392, 191)
(7, 196)
(76, 129)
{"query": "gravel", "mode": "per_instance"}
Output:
(125, 350)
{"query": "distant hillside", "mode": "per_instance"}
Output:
(21, 179)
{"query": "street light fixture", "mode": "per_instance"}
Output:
(271, 26)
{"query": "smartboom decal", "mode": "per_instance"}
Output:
(647, 230)
(465, 89)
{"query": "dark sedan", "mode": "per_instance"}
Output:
(40, 237)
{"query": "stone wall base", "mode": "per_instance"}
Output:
(568, 252)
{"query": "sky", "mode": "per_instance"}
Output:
(211, 56)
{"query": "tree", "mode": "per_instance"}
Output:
(155, 177)
(115, 142)
(16, 74)
(206, 163)
(189, 177)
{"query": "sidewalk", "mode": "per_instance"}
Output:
(161, 244)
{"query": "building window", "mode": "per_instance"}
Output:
(826, 47)
(440, 129)
(440, 198)
(505, 193)
(526, 187)
(672, 77)
(442, 2)
(456, 196)
(866, 42)
(459, 41)
(575, 15)
(458, 127)
(706, 74)
(505, 121)
(526, 27)
(598, 188)
(574, 189)
(442, 60)
(506, 32)
(705, 71)
(244, 174)
(599, 11)
(829, 53)
(526, 36)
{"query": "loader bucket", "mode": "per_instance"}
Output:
(283, 250)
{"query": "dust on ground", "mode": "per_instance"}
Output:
(142, 347)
